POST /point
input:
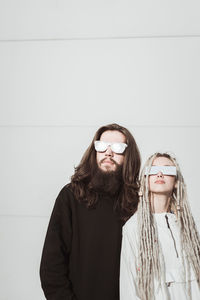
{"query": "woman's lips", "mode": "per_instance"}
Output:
(160, 181)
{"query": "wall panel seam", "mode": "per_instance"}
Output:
(96, 125)
(24, 216)
(180, 36)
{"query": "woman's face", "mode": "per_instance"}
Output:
(160, 183)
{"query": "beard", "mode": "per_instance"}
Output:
(107, 182)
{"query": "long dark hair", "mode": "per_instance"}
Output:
(128, 196)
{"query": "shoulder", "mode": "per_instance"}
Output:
(66, 191)
(131, 223)
(130, 228)
(65, 197)
(130, 240)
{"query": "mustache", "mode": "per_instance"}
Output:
(112, 160)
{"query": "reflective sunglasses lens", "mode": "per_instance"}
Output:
(100, 146)
(165, 170)
(118, 147)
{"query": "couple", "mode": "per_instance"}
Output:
(159, 244)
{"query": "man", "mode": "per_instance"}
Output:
(81, 254)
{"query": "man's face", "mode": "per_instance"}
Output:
(108, 160)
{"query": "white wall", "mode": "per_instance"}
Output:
(67, 68)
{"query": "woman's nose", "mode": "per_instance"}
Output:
(160, 174)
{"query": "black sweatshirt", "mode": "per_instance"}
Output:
(81, 254)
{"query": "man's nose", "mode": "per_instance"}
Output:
(109, 151)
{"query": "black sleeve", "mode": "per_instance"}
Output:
(54, 266)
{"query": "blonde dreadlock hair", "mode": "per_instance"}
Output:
(150, 254)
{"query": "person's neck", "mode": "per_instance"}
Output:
(159, 203)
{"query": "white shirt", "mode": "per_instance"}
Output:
(169, 239)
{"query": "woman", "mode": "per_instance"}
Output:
(160, 257)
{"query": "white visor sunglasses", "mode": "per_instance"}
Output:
(101, 146)
(165, 170)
